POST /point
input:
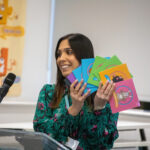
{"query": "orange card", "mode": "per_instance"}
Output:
(115, 74)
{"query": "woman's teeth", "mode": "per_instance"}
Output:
(65, 66)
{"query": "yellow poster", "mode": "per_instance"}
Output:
(12, 31)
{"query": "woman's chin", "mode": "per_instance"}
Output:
(66, 73)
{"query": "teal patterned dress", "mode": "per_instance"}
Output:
(94, 130)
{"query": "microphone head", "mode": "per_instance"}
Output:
(9, 80)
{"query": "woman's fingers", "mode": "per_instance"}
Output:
(78, 86)
(111, 89)
(107, 90)
(104, 87)
(82, 89)
(100, 86)
(77, 90)
(86, 94)
(73, 85)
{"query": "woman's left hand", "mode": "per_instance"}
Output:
(103, 94)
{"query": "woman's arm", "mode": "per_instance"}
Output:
(58, 125)
(99, 128)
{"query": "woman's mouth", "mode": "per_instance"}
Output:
(65, 67)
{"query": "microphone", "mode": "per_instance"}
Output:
(9, 80)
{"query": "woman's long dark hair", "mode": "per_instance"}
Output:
(82, 48)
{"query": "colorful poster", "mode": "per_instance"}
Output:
(12, 23)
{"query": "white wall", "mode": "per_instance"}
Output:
(114, 26)
(35, 63)
(120, 27)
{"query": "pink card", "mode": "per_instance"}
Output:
(124, 97)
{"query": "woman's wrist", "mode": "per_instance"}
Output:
(72, 111)
(100, 106)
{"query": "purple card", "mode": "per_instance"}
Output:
(71, 77)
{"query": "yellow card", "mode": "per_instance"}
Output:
(115, 74)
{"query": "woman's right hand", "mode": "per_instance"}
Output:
(78, 98)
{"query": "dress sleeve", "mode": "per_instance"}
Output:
(58, 125)
(99, 128)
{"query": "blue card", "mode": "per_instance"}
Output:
(87, 65)
(78, 73)
(86, 69)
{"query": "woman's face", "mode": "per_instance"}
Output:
(66, 59)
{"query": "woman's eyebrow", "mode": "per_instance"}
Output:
(65, 49)
(68, 48)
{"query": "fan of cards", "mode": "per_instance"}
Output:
(94, 70)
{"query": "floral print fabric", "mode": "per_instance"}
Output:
(94, 130)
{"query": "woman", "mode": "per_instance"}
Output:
(87, 119)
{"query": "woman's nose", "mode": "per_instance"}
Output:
(63, 56)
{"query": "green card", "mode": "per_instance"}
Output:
(112, 62)
(93, 79)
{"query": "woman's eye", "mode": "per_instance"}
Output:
(69, 52)
(58, 54)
